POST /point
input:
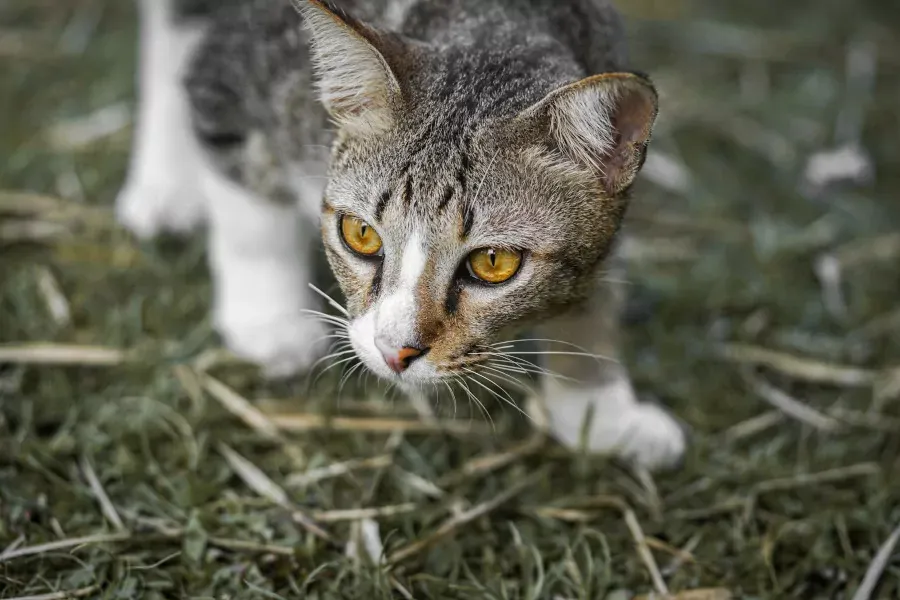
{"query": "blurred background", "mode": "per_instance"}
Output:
(137, 460)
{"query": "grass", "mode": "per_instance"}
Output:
(137, 461)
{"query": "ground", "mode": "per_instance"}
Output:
(136, 461)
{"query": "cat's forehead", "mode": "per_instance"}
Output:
(453, 189)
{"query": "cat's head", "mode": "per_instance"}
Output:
(466, 199)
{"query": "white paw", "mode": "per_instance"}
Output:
(281, 344)
(653, 438)
(644, 434)
(150, 208)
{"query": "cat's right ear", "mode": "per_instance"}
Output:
(356, 82)
(602, 123)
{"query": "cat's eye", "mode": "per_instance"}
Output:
(360, 236)
(494, 265)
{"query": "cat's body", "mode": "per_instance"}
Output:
(477, 166)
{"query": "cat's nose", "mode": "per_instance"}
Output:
(399, 359)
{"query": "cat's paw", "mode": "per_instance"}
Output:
(653, 438)
(281, 344)
(149, 208)
(642, 433)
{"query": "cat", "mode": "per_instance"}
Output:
(467, 163)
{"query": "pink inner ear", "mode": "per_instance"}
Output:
(632, 121)
(634, 116)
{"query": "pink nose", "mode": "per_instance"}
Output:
(399, 360)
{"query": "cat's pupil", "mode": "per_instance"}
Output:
(493, 256)
(362, 230)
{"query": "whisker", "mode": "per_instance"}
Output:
(347, 376)
(344, 323)
(525, 366)
(331, 356)
(563, 353)
(452, 395)
(506, 377)
(505, 397)
(465, 387)
(330, 300)
(549, 340)
(333, 365)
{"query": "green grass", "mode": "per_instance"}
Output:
(766, 506)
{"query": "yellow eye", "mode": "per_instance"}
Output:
(494, 265)
(360, 236)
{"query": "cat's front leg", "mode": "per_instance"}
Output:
(260, 254)
(162, 191)
(590, 401)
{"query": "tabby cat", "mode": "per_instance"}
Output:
(468, 164)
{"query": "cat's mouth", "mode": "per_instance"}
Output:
(412, 365)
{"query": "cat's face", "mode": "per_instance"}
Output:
(449, 252)
(448, 234)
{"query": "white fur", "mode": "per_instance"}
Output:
(362, 336)
(355, 83)
(642, 433)
(261, 271)
(395, 314)
(162, 191)
(391, 323)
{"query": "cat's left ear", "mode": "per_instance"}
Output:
(356, 82)
(602, 123)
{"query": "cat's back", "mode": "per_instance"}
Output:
(590, 30)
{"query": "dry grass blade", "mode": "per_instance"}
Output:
(407, 595)
(65, 545)
(31, 231)
(877, 566)
(65, 595)
(301, 422)
(357, 514)
(253, 476)
(106, 505)
(684, 556)
(634, 526)
(686, 550)
(240, 407)
(16, 543)
(808, 479)
(21, 203)
(233, 545)
(336, 470)
(25, 204)
(79, 133)
(61, 354)
(250, 547)
(482, 465)
(806, 369)
(420, 484)
(456, 522)
(571, 515)
(365, 543)
(752, 426)
(57, 304)
(791, 406)
(260, 483)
